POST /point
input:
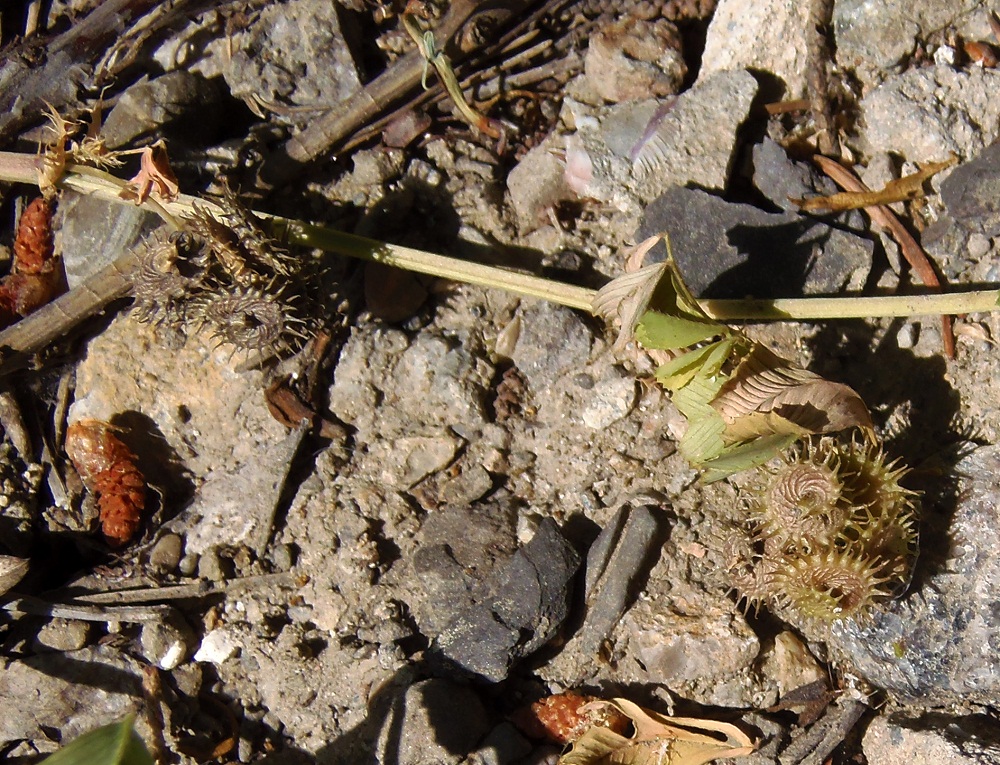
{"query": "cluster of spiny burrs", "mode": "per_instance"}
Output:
(223, 272)
(831, 531)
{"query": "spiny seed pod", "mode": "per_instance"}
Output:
(159, 286)
(108, 469)
(828, 586)
(831, 531)
(869, 479)
(252, 319)
(800, 500)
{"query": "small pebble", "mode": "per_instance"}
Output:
(216, 647)
(189, 564)
(907, 335)
(62, 635)
(166, 554)
(978, 246)
(283, 557)
(211, 566)
(166, 644)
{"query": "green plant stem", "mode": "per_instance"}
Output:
(23, 168)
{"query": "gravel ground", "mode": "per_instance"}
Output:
(496, 510)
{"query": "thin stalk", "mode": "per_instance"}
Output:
(23, 168)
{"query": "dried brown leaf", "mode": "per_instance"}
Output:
(768, 396)
(623, 300)
(900, 190)
(154, 177)
(657, 740)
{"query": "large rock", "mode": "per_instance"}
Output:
(929, 113)
(939, 644)
(777, 37)
(729, 250)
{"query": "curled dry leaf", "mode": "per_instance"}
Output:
(767, 395)
(154, 177)
(657, 740)
(900, 190)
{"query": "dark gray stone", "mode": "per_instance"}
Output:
(483, 626)
(433, 721)
(972, 193)
(730, 250)
(780, 179)
(502, 746)
(623, 552)
(177, 104)
(939, 644)
(458, 549)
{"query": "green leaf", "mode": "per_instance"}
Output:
(678, 372)
(115, 744)
(667, 332)
(745, 456)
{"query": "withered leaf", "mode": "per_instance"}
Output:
(657, 740)
(154, 176)
(766, 395)
(899, 190)
(624, 299)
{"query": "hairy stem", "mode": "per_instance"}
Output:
(23, 168)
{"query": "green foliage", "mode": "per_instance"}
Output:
(115, 744)
(743, 403)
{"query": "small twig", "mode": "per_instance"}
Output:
(24, 604)
(912, 251)
(435, 56)
(152, 696)
(192, 591)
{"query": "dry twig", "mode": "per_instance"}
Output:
(886, 218)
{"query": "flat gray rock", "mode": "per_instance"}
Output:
(731, 250)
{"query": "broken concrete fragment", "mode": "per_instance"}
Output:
(774, 37)
(292, 53)
(969, 740)
(928, 113)
(873, 38)
(635, 58)
(729, 250)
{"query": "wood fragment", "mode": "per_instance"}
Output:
(886, 218)
(327, 131)
(29, 81)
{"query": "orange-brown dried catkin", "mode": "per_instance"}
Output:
(108, 469)
(34, 244)
(34, 279)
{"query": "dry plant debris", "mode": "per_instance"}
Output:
(110, 470)
(36, 274)
(657, 740)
